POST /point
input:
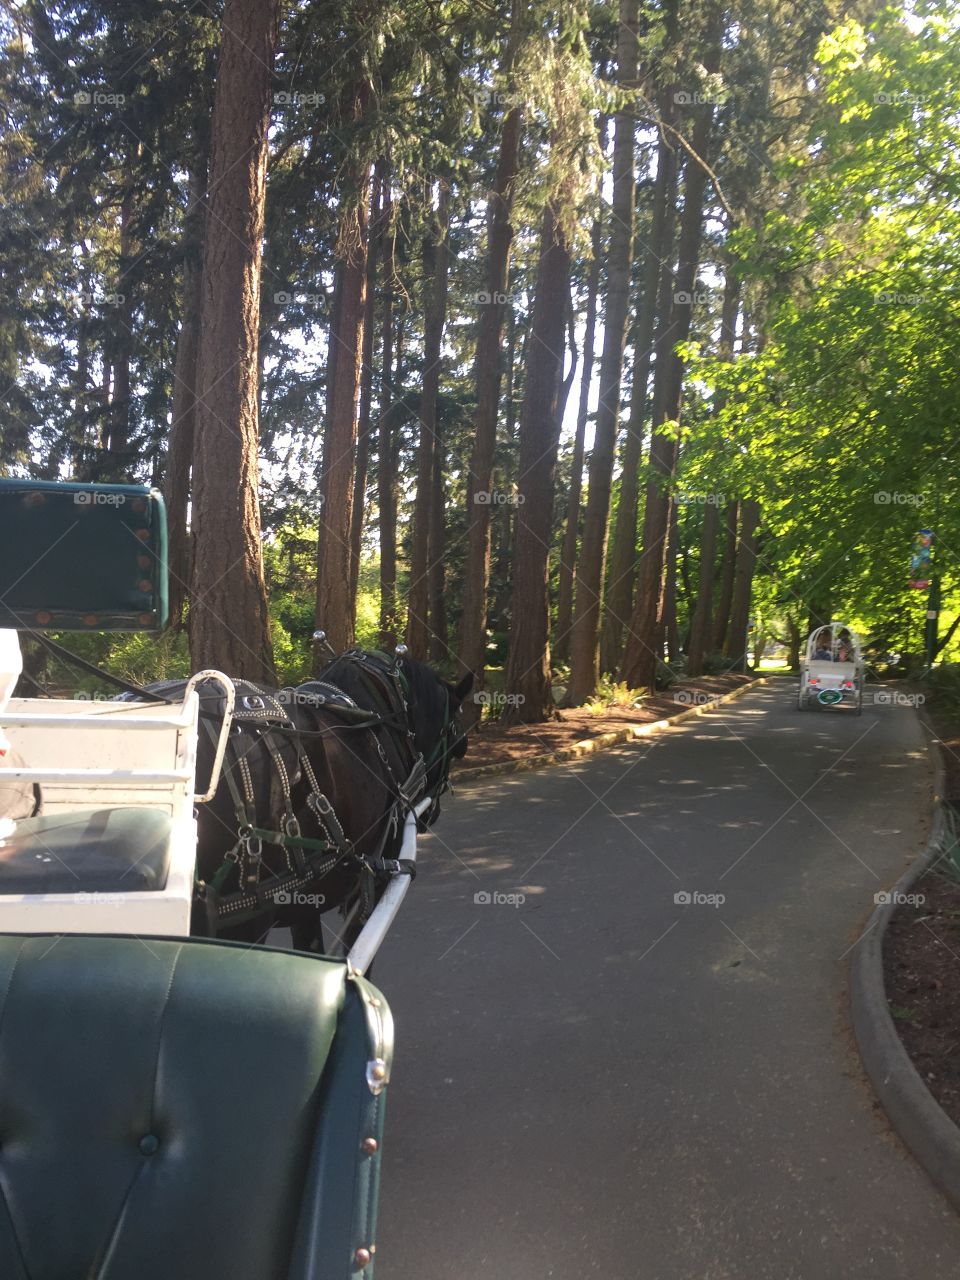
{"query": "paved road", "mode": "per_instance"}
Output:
(604, 1081)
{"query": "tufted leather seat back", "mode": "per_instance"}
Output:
(193, 1110)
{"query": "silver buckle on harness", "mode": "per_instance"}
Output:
(253, 846)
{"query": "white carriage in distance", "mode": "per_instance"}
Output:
(831, 668)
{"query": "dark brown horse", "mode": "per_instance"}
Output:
(315, 786)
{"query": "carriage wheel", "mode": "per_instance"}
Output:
(859, 700)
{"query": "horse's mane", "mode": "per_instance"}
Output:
(427, 691)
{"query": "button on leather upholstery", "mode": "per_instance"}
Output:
(149, 1144)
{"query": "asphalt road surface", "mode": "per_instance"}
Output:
(643, 1070)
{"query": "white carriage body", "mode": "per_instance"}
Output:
(92, 757)
(841, 681)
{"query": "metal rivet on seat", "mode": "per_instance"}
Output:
(362, 1257)
(369, 1146)
(149, 1144)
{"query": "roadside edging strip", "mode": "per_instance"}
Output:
(603, 741)
(915, 1115)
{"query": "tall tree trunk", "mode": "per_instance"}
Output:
(176, 490)
(657, 280)
(568, 552)
(641, 651)
(386, 450)
(366, 385)
(669, 614)
(721, 622)
(121, 341)
(473, 619)
(503, 514)
(793, 642)
(229, 626)
(334, 607)
(736, 643)
(702, 619)
(528, 662)
(584, 649)
(438, 534)
(436, 255)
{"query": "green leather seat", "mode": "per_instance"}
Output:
(186, 1110)
(103, 850)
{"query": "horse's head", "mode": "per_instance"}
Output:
(435, 714)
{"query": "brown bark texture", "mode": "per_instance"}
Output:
(229, 626)
(528, 663)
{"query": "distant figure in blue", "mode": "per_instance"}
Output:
(822, 652)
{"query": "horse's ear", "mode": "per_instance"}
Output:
(463, 688)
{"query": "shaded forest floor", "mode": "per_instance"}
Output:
(492, 743)
(921, 951)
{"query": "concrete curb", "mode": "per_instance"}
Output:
(603, 741)
(924, 1127)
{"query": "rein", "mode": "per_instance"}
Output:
(263, 718)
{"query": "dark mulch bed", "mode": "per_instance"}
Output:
(921, 953)
(491, 743)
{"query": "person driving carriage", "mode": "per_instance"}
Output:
(823, 651)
